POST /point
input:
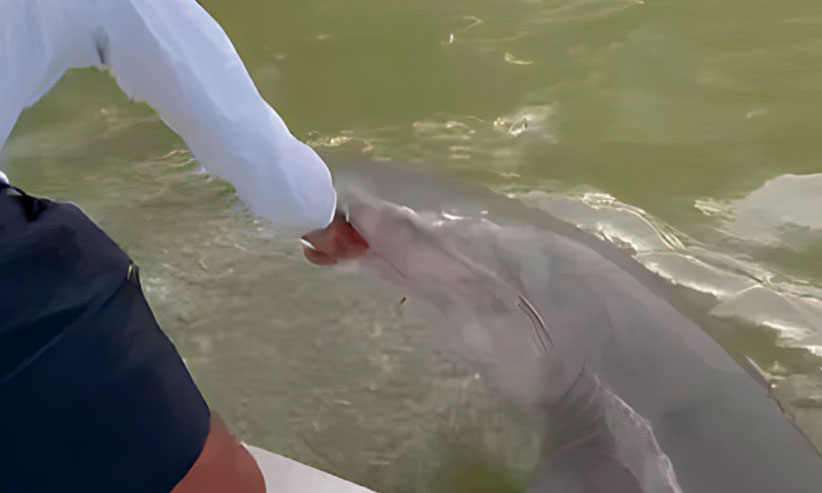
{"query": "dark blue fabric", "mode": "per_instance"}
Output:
(93, 396)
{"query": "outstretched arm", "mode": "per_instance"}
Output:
(175, 57)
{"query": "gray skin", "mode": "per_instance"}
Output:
(631, 394)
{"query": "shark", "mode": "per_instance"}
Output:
(628, 389)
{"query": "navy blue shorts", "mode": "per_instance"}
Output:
(93, 396)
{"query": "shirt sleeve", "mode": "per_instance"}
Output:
(172, 55)
(38, 42)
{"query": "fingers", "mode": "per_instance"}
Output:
(347, 245)
(339, 241)
(317, 257)
(340, 252)
(354, 239)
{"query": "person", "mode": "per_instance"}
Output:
(93, 395)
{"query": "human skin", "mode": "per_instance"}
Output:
(223, 465)
(337, 242)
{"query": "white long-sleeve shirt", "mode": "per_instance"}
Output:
(175, 57)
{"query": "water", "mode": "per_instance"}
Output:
(686, 131)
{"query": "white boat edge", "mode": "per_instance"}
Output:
(286, 475)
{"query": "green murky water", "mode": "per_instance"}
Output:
(673, 127)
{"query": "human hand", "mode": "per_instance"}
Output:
(338, 241)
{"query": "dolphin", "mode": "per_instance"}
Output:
(628, 390)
